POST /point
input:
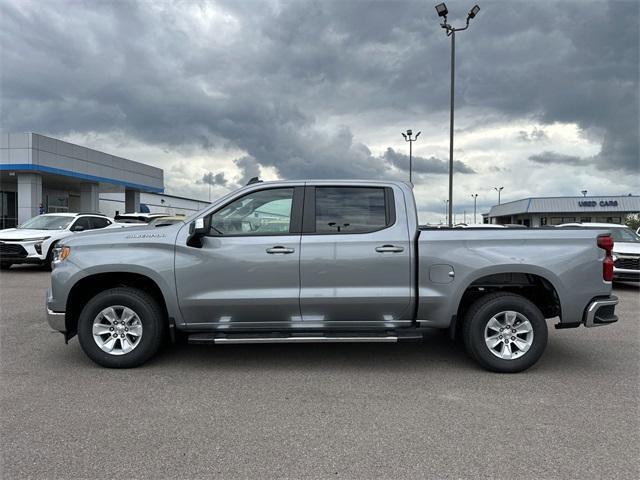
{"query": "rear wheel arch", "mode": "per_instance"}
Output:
(536, 288)
(88, 287)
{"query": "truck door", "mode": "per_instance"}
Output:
(355, 257)
(247, 270)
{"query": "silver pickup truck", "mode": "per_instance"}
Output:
(327, 261)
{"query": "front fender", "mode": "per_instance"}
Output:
(154, 260)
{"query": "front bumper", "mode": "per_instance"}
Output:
(21, 252)
(626, 267)
(625, 275)
(56, 320)
(601, 311)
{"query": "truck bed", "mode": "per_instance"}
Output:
(452, 260)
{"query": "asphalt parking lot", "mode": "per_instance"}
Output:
(308, 411)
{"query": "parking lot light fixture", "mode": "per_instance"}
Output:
(407, 138)
(442, 11)
(498, 189)
(475, 198)
(584, 193)
(441, 8)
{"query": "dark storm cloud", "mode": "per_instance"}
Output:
(249, 168)
(431, 165)
(264, 78)
(535, 135)
(214, 179)
(547, 158)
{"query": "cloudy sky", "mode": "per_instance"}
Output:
(547, 92)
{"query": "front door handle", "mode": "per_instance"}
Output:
(389, 249)
(280, 249)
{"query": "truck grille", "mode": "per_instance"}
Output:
(628, 263)
(12, 250)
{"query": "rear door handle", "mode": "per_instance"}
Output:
(280, 249)
(389, 249)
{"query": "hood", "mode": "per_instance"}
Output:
(120, 236)
(24, 233)
(626, 247)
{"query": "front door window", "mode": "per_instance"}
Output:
(266, 212)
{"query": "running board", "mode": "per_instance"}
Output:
(208, 338)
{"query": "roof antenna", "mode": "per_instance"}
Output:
(254, 180)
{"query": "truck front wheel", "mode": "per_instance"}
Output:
(504, 332)
(121, 327)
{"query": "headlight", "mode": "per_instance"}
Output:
(40, 239)
(61, 253)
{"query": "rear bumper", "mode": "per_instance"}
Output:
(601, 311)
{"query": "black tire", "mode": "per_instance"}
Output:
(47, 265)
(5, 266)
(475, 322)
(149, 313)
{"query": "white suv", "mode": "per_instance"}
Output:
(626, 249)
(33, 241)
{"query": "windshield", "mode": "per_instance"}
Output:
(624, 235)
(47, 222)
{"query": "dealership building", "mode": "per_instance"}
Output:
(542, 211)
(40, 174)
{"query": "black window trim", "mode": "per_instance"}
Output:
(93, 218)
(309, 210)
(295, 220)
(77, 219)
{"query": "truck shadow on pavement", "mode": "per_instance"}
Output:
(436, 352)
(436, 349)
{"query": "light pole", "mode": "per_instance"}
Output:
(475, 198)
(447, 212)
(407, 138)
(498, 189)
(584, 193)
(442, 10)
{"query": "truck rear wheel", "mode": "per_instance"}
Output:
(121, 327)
(504, 332)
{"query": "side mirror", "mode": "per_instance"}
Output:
(198, 229)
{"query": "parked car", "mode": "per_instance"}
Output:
(138, 218)
(626, 252)
(35, 239)
(352, 266)
(164, 221)
(478, 225)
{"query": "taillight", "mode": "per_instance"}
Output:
(606, 243)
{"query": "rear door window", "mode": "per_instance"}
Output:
(350, 209)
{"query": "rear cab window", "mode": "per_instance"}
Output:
(347, 210)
